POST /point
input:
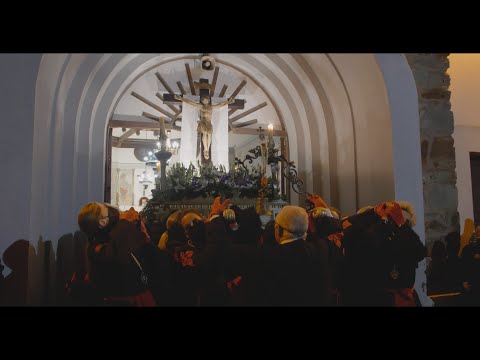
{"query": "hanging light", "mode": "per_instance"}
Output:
(150, 159)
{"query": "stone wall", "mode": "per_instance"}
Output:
(437, 147)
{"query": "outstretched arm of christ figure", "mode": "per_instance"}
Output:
(188, 101)
(229, 101)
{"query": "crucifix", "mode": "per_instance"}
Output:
(204, 103)
(195, 92)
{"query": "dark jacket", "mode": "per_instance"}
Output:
(378, 255)
(293, 277)
(114, 272)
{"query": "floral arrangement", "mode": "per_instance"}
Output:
(209, 181)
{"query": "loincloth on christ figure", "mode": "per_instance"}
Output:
(204, 127)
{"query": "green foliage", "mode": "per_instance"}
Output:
(208, 181)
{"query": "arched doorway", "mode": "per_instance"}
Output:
(351, 119)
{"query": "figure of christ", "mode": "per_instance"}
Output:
(205, 124)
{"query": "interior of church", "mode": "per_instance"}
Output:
(152, 133)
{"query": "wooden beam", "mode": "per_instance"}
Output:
(133, 143)
(180, 87)
(214, 81)
(140, 125)
(157, 118)
(169, 124)
(190, 80)
(150, 125)
(126, 135)
(168, 104)
(237, 90)
(177, 117)
(151, 104)
(224, 88)
(151, 116)
(203, 85)
(178, 112)
(164, 83)
(154, 117)
(128, 118)
(250, 131)
(246, 123)
(235, 93)
(245, 113)
(238, 103)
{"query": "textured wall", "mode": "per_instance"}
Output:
(438, 153)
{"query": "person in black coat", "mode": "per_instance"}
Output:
(381, 256)
(125, 268)
(200, 254)
(471, 273)
(325, 238)
(292, 274)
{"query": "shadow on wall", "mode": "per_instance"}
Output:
(71, 258)
(13, 291)
(38, 277)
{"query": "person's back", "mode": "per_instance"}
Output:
(453, 264)
(381, 256)
(119, 266)
(292, 274)
(437, 269)
(471, 274)
(121, 269)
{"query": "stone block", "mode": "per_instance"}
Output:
(442, 147)
(447, 176)
(436, 93)
(424, 150)
(428, 62)
(436, 115)
(440, 196)
(433, 226)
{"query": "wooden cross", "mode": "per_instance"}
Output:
(205, 90)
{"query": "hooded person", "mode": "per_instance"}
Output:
(381, 254)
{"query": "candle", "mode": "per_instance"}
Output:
(271, 143)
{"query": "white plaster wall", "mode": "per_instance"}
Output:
(405, 124)
(371, 128)
(18, 74)
(464, 74)
(405, 130)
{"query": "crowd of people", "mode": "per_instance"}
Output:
(305, 257)
(453, 274)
